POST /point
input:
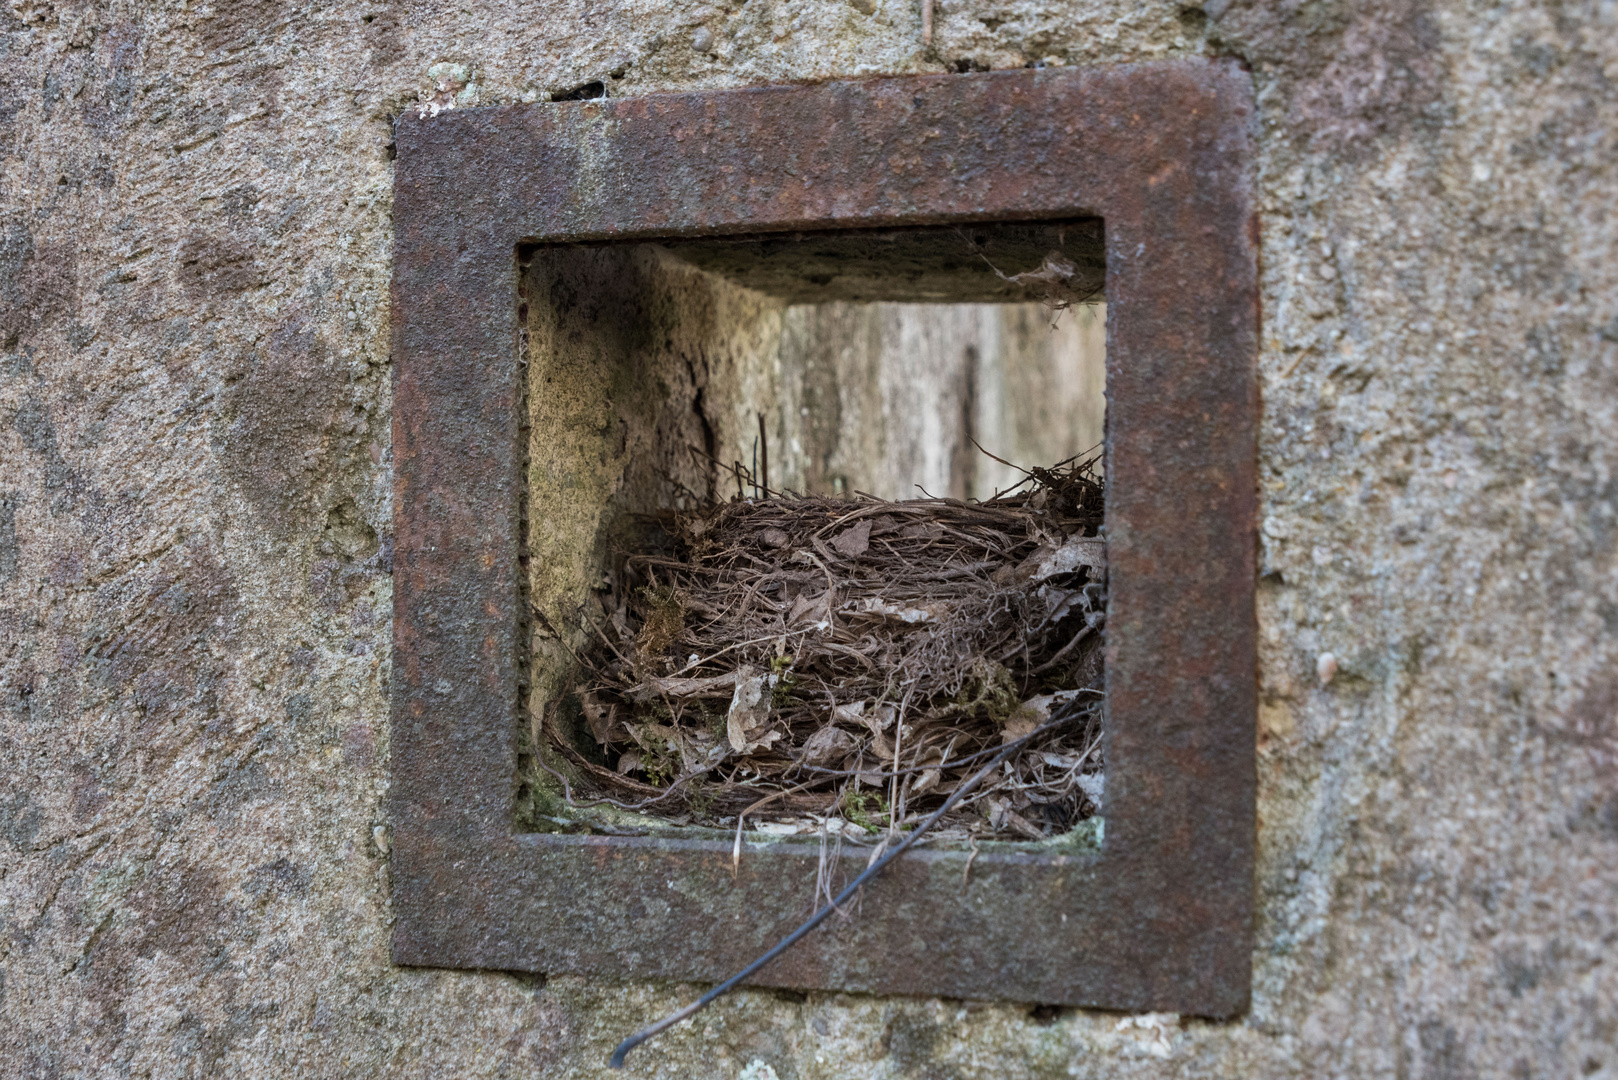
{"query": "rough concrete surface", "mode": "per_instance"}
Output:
(194, 552)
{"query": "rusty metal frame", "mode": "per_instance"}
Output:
(1160, 919)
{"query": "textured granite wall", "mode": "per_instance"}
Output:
(194, 552)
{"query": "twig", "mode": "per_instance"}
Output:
(727, 648)
(1026, 474)
(763, 456)
(1061, 654)
(966, 871)
(545, 624)
(567, 789)
(853, 887)
(736, 850)
(898, 743)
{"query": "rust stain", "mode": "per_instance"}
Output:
(1160, 921)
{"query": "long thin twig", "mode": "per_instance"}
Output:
(952, 763)
(763, 455)
(567, 790)
(617, 1061)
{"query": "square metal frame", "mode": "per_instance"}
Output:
(1160, 918)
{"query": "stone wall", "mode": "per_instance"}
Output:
(194, 549)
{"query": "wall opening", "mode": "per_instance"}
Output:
(665, 380)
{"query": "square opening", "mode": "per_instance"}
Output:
(1158, 918)
(707, 650)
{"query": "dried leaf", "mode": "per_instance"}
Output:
(785, 828)
(877, 722)
(654, 738)
(922, 530)
(996, 809)
(849, 830)
(1077, 551)
(1022, 722)
(1022, 825)
(853, 541)
(811, 610)
(1055, 269)
(602, 719)
(1056, 277)
(749, 713)
(905, 613)
(697, 748)
(713, 686)
(1060, 603)
(829, 744)
(1033, 713)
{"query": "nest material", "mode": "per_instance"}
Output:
(844, 663)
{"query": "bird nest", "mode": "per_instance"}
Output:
(809, 663)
